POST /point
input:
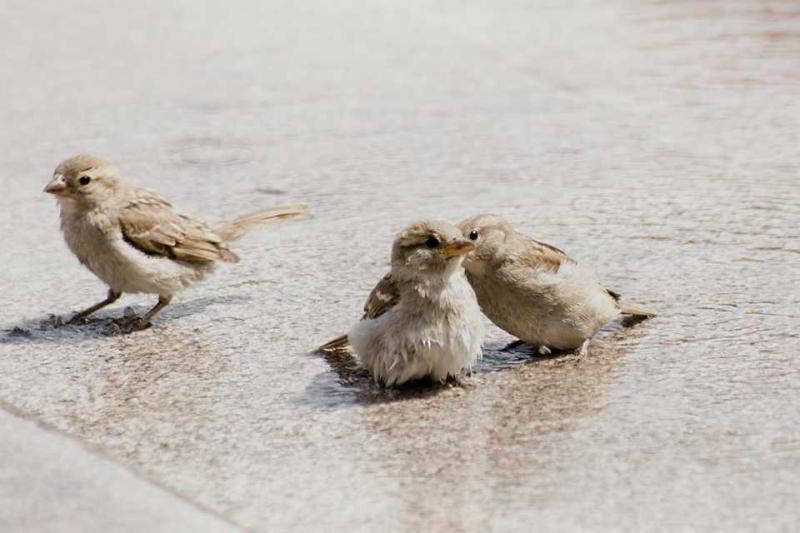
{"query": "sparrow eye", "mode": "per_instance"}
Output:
(432, 242)
(473, 235)
(84, 180)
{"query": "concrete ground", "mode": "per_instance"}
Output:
(51, 482)
(657, 141)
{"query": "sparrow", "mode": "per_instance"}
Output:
(132, 239)
(534, 291)
(422, 318)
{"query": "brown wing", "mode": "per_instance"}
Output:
(382, 298)
(538, 254)
(149, 225)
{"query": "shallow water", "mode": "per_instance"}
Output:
(657, 141)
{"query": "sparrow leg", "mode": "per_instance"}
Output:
(112, 297)
(544, 350)
(163, 301)
(459, 381)
(584, 349)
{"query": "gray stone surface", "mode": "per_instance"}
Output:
(49, 482)
(656, 141)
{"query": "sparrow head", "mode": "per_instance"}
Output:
(84, 178)
(489, 234)
(429, 246)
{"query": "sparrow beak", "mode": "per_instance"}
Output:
(458, 248)
(57, 185)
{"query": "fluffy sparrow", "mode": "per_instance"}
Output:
(422, 319)
(133, 240)
(534, 291)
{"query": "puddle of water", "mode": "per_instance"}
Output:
(655, 141)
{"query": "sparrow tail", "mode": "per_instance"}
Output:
(632, 313)
(230, 230)
(338, 344)
(636, 311)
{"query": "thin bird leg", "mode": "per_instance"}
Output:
(112, 297)
(584, 349)
(163, 301)
(544, 350)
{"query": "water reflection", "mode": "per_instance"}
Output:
(484, 442)
(138, 383)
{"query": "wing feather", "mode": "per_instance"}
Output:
(149, 224)
(383, 297)
(537, 254)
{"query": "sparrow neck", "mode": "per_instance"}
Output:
(429, 285)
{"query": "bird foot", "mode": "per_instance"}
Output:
(541, 349)
(584, 349)
(79, 319)
(544, 350)
(129, 324)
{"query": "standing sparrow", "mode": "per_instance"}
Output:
(534, 291)
(422, 318)
(133, 240)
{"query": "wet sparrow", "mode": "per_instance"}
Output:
(422, 318)
(534, 291)
(133, 240)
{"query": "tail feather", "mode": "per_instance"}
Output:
(633, 314)
(230, 230)
(631, 310)
(338, 344)
(636, 311)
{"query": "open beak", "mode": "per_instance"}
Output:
(57, 185)
(458, 248)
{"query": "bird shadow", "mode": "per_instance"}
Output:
(55, 329)
(352, 384)
(498, 357)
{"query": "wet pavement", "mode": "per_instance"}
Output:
(657, 141)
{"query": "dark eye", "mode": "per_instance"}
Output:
(473, 235)
(84, 180)
(432, 242)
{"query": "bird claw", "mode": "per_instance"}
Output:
(77, 319)
(54, 321)
(129, 324)
(544, 350)
(541, 349)
(461, 382)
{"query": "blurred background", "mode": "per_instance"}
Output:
(658, 141)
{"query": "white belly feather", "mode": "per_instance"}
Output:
(404, 344)
(99, 246)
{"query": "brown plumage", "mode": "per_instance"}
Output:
(133, 240)
(148, 223)
(537, 254)
(534, 291)
(422, 319)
